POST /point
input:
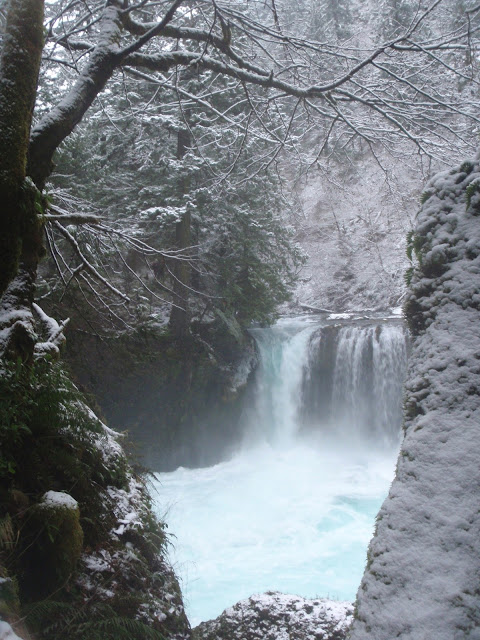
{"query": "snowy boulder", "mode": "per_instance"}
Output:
(58, 499)
(275, 616)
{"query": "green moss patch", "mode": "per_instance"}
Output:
(52, 541)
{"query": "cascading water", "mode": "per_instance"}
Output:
(361, 388)
(283, 351)
(294, 509)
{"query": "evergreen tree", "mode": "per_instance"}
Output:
(241, 243)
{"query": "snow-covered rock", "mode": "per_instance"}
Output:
(59, 499)
(423, 572)
(275, 616)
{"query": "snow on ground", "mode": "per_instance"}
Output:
(423, 574)
(281, 617)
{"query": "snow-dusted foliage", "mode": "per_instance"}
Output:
(422, 576)
(31, 327)
(80, 549)
(353, 227)
(130, 565)
(280, 617)
(241, 255)
(129, 570)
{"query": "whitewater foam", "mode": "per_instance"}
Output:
(296, 521)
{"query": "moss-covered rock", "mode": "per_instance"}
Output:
(53, 540)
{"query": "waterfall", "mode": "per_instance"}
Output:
(293, 510)
(283, 351)
(367, 382)
(343, 380)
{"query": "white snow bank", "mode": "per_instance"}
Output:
(423, 574)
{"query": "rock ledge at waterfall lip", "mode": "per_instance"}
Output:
(276, 616)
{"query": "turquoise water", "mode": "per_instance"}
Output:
(286, 513)
(296, 521)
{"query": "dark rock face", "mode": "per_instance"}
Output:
(180, 401)
(275, 616)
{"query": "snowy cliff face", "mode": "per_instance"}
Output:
(422, 575)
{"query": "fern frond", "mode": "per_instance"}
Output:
(59, 620)
(53, 615)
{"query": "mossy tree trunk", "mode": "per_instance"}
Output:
(29, 153)
(21, 232)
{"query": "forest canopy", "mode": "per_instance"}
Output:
(170, 123)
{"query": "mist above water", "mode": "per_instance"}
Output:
(294, 509)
